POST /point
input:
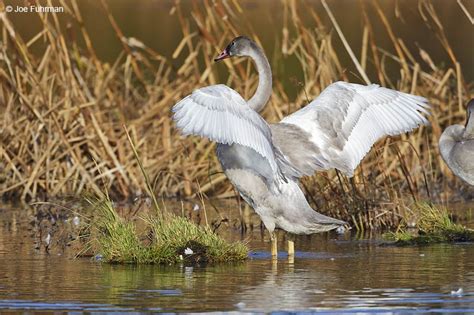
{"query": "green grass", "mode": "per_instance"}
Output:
(163, 241)
(167, 239)
(434, 226)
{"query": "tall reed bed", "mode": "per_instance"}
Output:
(63, 111)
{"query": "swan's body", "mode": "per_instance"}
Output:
(456, 145)
(264, 162)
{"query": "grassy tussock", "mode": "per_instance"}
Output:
(161, 241)
(61, 113)
(434, 226)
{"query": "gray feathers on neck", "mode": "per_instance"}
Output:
(264, 89)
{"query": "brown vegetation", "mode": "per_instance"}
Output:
(62, 112)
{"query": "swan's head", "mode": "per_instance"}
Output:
(239, 46)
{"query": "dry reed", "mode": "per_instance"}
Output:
(62, 111)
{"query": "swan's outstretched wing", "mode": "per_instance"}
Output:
(339, 127)
(222, 115)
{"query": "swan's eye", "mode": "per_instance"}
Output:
(233, 44)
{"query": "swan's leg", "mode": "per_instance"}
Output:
(291, 246)
(291, 249)
(273, 238)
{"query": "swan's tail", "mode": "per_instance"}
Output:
(320, 223)
(296, 215)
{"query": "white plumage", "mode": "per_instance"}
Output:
(344, 121)
(264, 162)
(222, 115)
(347, 119)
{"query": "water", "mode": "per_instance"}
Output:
(330, 273)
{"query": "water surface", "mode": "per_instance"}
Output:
(331, 273)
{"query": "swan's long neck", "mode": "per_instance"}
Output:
(469, 130)
(264, 89)
(449, 138)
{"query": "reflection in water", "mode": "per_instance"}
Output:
(368, 276)
(329, 274)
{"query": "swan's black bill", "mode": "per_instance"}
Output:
(223, 55)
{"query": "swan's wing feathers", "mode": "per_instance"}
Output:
(339, 127)
(219, 113)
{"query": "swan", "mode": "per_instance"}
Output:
(265, 161)
(456, 145)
